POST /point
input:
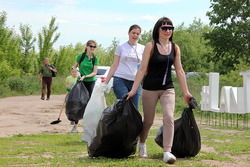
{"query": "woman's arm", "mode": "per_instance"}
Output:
(142, 69)
(93, 73)
(76, 64)
(181, 75)
(112, 69)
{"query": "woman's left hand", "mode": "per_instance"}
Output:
(82, 78)
(187, 98)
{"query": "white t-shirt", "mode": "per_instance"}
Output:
(130, 58)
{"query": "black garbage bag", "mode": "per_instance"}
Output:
(187, 140)
(76, 102)
(117, 132)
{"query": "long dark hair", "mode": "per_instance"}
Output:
(158, 24)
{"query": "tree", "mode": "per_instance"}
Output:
(27, 43)
(109, 58)
(46, 40)
(230, 36)
(27, 39)
(9, 50)
(145, 37)
(193, 46)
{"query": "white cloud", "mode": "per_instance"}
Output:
(63, 7)
(149, 18)
(91, 24)
(61, 21)
(54, 2)
(153, 1)
(119, 19)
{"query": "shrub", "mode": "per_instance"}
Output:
(18, 84)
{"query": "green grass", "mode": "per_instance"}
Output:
(69, 150)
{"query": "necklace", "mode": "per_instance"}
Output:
(135, 49)
(163, 48)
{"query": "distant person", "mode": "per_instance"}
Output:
(46, 76)
(158, 85)
(70, 83)
(127, 60)
(88, 63)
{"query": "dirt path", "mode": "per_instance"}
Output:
(31, 115)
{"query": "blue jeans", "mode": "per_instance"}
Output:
(121, 87)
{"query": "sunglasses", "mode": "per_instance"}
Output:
(164, 28)
(92, 46)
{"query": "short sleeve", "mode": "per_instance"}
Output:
(118, 50)
(67, 80)
(96, 61)
(41, 70)
(78, 58)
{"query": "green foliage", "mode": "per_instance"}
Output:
(145, 37)
(46, 39)
(233, 78)
(193, 46)
(108, 58)
(27, 43)
(66, 59)
(195, 87)
(230, 36)
(5, 70)
(10, 58)
(18, 56)
(18, 84)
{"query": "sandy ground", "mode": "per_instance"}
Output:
(31, 115)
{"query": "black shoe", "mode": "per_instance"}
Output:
(47, 99)
(42, 98)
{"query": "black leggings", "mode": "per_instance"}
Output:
(89, 86)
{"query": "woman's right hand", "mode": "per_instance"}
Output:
(130, 94)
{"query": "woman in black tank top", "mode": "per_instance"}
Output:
(158, 57)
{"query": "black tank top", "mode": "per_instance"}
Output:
(156, 70)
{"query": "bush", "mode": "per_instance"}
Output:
(18, 84)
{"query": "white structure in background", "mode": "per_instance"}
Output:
(246, 89)
(210, 94)
(235, 100)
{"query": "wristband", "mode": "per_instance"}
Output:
(68, 89)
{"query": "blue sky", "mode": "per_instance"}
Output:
(101, 20)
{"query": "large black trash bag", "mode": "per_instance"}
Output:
(187, 140)
(76, 102)
(117, 132)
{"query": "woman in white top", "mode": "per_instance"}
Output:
(127, 60)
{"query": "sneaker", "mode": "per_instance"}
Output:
(47, 99)
(42, 98)
(142, 150)
(169, 158)
(74, 129)
(72, 123)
